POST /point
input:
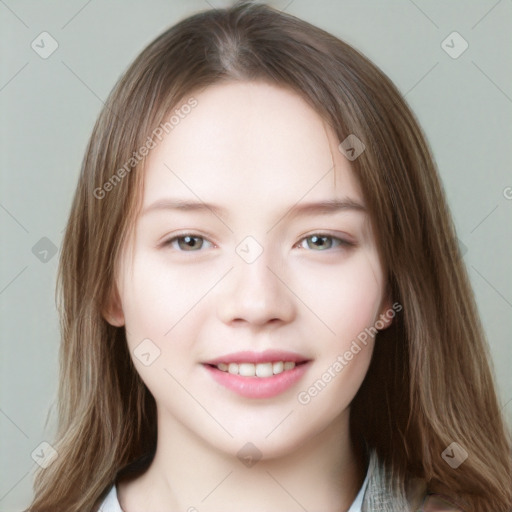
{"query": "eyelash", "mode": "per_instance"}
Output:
(341, 242)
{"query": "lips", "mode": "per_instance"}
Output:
(258, 374)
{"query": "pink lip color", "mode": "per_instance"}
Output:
(258, 387)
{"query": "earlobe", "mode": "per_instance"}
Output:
(387, 313)
(113, 311)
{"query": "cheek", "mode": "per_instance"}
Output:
(350, 303)
(165, 309)
(158, 297)
(346, 297)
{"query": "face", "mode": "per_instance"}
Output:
(263, 280)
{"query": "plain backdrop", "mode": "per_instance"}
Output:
(49, 104)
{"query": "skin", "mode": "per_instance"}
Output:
(256, 150)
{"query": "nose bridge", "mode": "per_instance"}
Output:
(253, 266)
(252, 270)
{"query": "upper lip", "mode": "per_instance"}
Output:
(267, 356)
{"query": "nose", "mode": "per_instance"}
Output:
(256, 293)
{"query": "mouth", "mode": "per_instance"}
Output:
(258, 375)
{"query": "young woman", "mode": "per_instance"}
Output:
(262, 298)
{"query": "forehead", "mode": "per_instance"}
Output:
(248, 142)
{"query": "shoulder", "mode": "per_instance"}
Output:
(110, 503)
(438, 503)
(422, 498)
(388, 491)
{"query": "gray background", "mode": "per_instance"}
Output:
(49, 106)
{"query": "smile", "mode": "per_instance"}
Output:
(258, 375)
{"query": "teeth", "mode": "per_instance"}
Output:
(256, 370)
(246, 370)
(277, 367)
(264, 370)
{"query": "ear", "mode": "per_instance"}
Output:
(113, 310)
(387, 312)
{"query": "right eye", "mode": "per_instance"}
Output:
(186, 242)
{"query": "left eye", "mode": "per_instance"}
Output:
(323, 242)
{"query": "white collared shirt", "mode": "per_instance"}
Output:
(111, 503)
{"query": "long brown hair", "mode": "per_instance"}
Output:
(429, 383)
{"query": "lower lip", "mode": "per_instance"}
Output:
(259, 387)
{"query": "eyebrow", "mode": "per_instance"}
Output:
(327, 207)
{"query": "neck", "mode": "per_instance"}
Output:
(324, 473)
